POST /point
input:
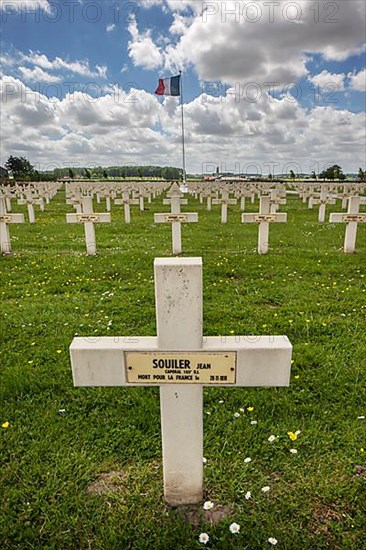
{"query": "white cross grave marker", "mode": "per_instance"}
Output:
(89, 218)
(73, 196)
(264, 218)
(176, 218)
(275, 200)
(8, 195)
(224, 201)
(30, 201)
(181, 362)
(5, 219)
(324, 199)
(352, 219)
(126, 201)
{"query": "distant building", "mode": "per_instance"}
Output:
(4, 174)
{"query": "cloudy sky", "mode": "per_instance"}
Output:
(269, 86)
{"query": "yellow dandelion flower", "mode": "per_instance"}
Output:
(5, 425)
(250, 409)
(292, 436)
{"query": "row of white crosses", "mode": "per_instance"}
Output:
(7, 193)
(83, 203)
(180, 361)
(80, 196)
(35, 193)
(132, 193)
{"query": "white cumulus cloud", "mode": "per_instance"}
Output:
(142, 50)
(241, 41)
(326, 80)
(358, 81)
(38, 75)
(12, 6)
(117, 127)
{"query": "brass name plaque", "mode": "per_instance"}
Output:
(5, 219)
(264, 218)
(360, 218)
(83, 218)
(171, 218)
(180, 367)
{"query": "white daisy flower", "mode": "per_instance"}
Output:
(208, 505)
(204, 538)
(234, 528)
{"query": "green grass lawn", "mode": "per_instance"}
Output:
(305, 288)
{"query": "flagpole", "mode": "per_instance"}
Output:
(183, 140)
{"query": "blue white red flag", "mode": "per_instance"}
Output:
(169, 86)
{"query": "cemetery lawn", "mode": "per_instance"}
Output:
(56, 441)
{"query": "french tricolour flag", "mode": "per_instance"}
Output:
(169, 86)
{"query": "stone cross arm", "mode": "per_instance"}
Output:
(348, 218)
(121, 202)
(182, 202)
(224, 201)
(185, 217)
(233, 361)
(85, 218)
(329, 200)
(11, 218)
(259, 218)
(278, 201)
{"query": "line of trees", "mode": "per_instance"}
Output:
(166, 172)
(21, 169)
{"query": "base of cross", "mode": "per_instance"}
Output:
(181, 362)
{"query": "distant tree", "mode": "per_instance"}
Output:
(270, 177)
(313, 175)
(333, 173)
(362, 174)
(139, 172)
(105, 174)
(292, 174)
(71, 174)
(87, 174)
(123, 174)
(20, 167)
(170, 173)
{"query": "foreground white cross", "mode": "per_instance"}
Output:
(89, 218)
(181, 362)
(5, 219)
(176, 217)
(264, 218)
(352, 219)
